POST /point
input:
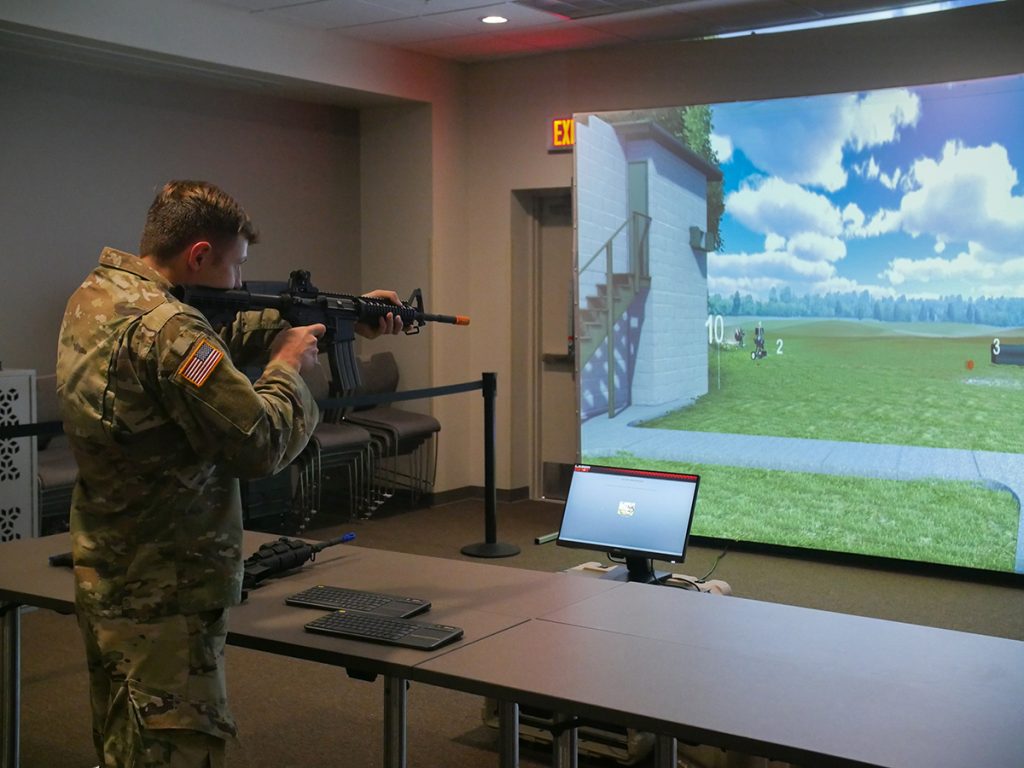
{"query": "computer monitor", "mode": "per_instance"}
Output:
(636, 514)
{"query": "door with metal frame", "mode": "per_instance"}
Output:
(557, 423)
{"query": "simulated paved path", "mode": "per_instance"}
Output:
(1004, 471)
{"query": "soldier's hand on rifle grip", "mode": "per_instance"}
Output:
(298, 346)
(389, 325)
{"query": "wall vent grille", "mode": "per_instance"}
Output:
(17, 457)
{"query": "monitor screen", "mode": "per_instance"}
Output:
(632, 513)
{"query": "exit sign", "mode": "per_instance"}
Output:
(561, 134)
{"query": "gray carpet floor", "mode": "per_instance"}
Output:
(296, 713)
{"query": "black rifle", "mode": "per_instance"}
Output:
(283, 555)
(300, 303)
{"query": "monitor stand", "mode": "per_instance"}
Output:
(639, 569)
(619, 572)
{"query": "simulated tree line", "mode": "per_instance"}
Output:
(999, 311)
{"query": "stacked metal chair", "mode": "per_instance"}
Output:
(401, 437)
(336, 445)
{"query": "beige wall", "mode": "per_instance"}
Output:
(83, 150)
(395, 210)
(444, 215)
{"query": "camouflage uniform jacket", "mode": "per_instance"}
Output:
(162, 425)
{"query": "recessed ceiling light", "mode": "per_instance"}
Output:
(494, 20)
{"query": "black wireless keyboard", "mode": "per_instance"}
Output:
(334, 598)
(379, 629)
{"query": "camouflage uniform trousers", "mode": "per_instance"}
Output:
(157, 690)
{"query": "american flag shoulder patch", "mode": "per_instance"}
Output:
(200, 362)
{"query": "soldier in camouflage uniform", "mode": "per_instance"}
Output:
(162, 425)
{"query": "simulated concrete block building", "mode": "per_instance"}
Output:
(642, 276)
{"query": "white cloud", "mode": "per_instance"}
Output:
(756, 274)
(871, 171)
(775, 206)
(853, 216)
(868, 169)
(963, 196)
(780, 265)
(891, 181)
(801, 240)
(722, 147)
(974, 272)
(933, 270)
(966, 195)
(877, 117)
(806, 146)
(812, 246)
(883, 222)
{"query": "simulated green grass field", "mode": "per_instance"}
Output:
(864, 382)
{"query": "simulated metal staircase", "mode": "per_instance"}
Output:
(610, 315)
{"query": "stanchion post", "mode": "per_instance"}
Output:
(490, 547)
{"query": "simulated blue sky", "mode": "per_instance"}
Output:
(914, 191)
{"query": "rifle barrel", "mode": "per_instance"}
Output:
(452, 319)
(345, 537)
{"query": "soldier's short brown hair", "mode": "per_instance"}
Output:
(184, 211)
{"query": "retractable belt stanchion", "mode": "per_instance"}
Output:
(490, 547)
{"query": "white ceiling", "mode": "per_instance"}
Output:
(452, 29)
